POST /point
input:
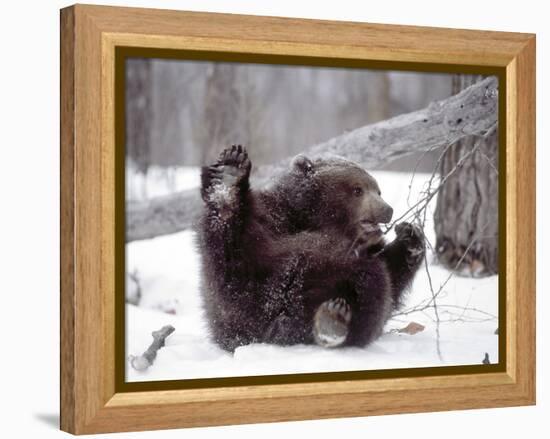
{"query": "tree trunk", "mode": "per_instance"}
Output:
(138, 112)
(378, 99)
(221, 111)
(470, 112)
(466, 214)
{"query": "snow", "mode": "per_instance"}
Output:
(167, 268)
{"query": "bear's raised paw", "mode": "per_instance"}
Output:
(225, 179)
(234, 165)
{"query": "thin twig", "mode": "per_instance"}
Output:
(427, 198)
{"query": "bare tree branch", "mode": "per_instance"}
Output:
(473, 111)
(431, 307)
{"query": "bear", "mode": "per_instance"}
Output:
(304, 260)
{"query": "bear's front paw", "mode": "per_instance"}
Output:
(331, 322)
(233, 165)
(412, 237)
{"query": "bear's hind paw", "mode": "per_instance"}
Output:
(331, 322)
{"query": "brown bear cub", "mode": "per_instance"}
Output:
(303, 261)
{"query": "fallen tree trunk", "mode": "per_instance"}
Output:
(473, 111)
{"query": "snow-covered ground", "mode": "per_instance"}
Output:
(167, 268)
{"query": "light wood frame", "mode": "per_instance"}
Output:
(89, 36)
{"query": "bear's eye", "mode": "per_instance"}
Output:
(357, 191)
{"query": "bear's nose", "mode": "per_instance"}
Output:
(385, 214)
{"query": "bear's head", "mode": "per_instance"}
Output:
(333, 192)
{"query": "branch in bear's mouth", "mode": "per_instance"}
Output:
(145, 360)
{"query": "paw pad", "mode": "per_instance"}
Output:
(331, 323)
(234, 161)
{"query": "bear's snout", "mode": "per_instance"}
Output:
(375, 210)
(386, 213)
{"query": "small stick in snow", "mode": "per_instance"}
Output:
(145, 360)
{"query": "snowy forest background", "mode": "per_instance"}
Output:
(181, 114)
(194, 107)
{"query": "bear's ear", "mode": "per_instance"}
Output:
(303, 164)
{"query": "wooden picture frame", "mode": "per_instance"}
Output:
(91, 399)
